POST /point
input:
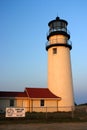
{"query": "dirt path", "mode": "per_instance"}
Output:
(53, 126)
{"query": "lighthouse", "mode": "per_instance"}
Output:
(59, 63)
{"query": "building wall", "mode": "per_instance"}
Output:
(52, 105)
(18, 102)
(23, 103)
(31, 105)
(49, 105)
(4, 103)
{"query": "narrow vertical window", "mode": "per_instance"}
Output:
(11, 103)
(54, 50)
(41, 102)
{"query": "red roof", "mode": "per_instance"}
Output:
(30, 92)
(40, 93)
(12, 94)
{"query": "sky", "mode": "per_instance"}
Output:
(23, 36)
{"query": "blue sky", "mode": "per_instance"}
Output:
(23, 28)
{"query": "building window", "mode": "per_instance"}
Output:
(41, 102)
(54, 50)
(11, 103)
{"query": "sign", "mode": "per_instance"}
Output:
(15, 112)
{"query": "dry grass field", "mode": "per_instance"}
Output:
(40, 126)
(76, 120)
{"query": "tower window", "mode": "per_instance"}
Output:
(54, 50)
(41, 102)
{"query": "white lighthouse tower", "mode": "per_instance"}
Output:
(59, 64)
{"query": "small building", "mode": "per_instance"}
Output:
(32, 99)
